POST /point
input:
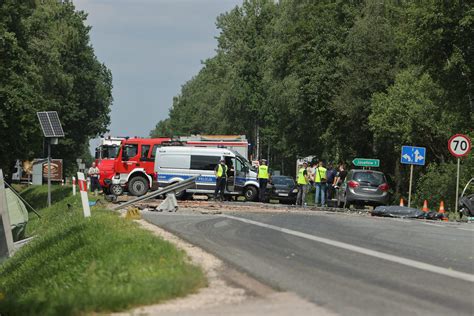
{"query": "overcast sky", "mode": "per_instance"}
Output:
(152, 48)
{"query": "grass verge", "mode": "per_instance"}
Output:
(100, 264)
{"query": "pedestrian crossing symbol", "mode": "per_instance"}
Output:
(412, 155)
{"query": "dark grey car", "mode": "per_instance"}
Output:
(283, 189)
(363, 187)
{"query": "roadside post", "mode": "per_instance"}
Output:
(366, 162)
(73, 185)
(459, 145)
(6, 237)
(84, 198)
(412, 155)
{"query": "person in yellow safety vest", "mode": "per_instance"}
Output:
(302, 181)
(221, 179)
(320, 179)
(263, 177)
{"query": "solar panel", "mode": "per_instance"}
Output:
(50, 124)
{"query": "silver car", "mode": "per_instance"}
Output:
(363, 187)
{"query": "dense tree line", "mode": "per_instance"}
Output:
(48, 64)
(338, 79)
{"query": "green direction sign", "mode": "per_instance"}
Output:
(364, 162)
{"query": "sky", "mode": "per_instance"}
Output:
(152, 48)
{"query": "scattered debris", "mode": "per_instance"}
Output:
(111, 198)
(133, 213)
(169, 204)
(210, 212)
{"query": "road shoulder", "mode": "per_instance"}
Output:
(229, 291)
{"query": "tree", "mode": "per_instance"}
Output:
(47, 63)
(369, 65)
(336, 79)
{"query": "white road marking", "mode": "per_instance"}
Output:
(373, 253)
(446, 226)
(469, 230)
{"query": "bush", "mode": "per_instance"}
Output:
(439, 183)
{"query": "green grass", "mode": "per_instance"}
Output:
(100, 264)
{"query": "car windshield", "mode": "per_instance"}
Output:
(247, 163)
(110, 152)
(371, 178)
(287, 181)
(129, 150)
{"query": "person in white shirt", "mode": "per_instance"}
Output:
(94, 174)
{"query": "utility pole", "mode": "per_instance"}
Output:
(257, 141)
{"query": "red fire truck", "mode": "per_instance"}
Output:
(134, 166)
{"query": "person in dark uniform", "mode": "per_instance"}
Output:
(221, 178)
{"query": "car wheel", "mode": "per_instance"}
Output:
(138, 186)
(116, 189)
(250, 193)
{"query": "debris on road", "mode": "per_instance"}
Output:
(169, 204)
(406, 212)
(133, 213)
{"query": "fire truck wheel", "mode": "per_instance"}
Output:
(116, 189)
(250, 193)
(138, 186)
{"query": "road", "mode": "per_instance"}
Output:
(352, 265)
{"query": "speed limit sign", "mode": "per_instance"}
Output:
(459, 145)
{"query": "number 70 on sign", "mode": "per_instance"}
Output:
(459, 145)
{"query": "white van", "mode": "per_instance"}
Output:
(174, 164)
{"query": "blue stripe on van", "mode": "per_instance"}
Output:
(202, 179)
(168, 177)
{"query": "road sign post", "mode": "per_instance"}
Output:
(366, 162)
(412, 155)
(411, 182)
(459, 146)
(52, 130)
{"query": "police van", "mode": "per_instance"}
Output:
(175, 164)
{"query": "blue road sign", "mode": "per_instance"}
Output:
(412, 155)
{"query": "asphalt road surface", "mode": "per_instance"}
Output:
(352, 265)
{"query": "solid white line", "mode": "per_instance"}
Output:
(380, 255)
(446, 226)
(469, 230)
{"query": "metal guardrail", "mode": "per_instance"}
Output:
(177, 187)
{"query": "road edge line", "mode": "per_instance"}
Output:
(373, 253)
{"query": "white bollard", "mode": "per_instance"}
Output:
(84, 197)
(73, 185)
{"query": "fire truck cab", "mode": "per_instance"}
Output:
(105, 155)
(134, 166)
